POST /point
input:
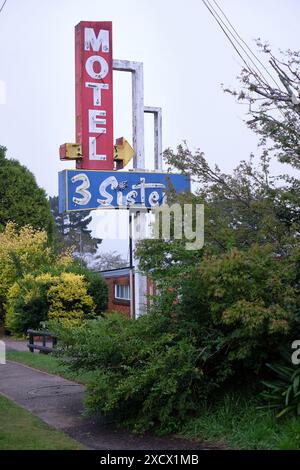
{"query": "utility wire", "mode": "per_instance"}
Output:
(228, 37)
(221, 23)
(3, 5)
(244, 42)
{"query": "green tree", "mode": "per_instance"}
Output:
(250, 205)
(273, 103)
(108, 260)
(21, 199)
(246, 207)
(239, 295)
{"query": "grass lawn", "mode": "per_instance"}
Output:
(20, 430)
(47, 363)
(237, 423)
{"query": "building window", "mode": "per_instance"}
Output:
(122, 291)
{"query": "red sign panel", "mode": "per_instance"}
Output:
(94, 94)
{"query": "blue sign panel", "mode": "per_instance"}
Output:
(86, 190)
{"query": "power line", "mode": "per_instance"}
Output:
(226, 34)
(223, 26)
(3, 5)
(244, 42)
(220, 22)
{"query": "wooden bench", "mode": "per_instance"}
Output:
(45, 335)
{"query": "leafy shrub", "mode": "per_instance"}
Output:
(35, 299)
(96, 288)
(145, 373)
(240, 305)
(283, 393)
(69, 301)
(257, 327)
(21, 252)
(27, 304)
(212, 325)
(26, 251)
(96, 285)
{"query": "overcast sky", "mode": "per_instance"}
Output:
(186, 57)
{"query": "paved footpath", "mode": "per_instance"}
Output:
(59, 402)
(15, 345)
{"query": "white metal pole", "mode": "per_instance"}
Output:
(136, 69)
(138, 139)
(157, 135)
(131, 272)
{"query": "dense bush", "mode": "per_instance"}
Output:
(35, 299)
(27, 303)
(146, 374)
(36, 284)
(95, 283)
(69, 301)
(215, 324)
(21, 252)
(240, 305)
(96, 287)
(98, 290)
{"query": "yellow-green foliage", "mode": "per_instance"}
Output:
(68, 299)
(252, 321)
(35, 299)
(64, 260)
(27, 304)
(21, 251)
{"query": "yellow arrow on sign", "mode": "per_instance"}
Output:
(70, 151)
(123, 152)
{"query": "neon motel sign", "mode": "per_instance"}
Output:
(86, 188)
(94, 94)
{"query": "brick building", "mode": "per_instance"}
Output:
(118, 282)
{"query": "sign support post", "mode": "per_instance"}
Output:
(131, 270)
(138, 139)
(157, 135)
(137, 71)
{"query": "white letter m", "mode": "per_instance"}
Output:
(101, 41)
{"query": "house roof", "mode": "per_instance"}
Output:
(117, 272)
